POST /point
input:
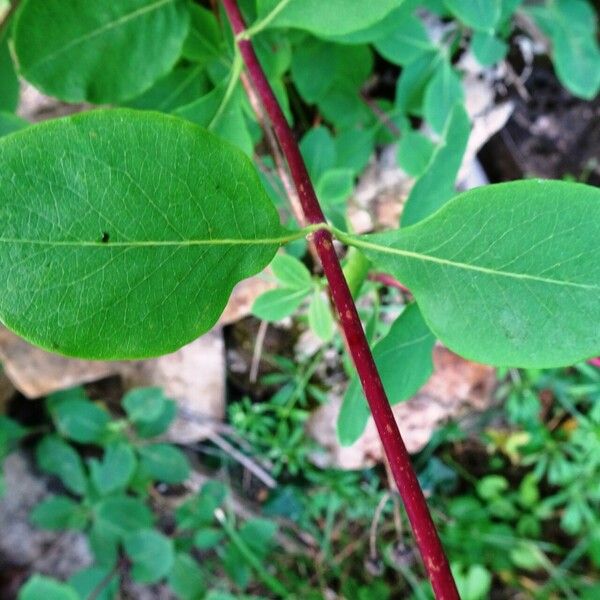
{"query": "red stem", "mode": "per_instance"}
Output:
(388, 281)
(424, 530)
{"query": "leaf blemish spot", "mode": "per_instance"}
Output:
(105, 237)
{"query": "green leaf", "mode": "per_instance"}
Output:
(119, 516)
(183, 85)
(487, 48)
(414, 152)
(58, 458)
(97, 52)
(335, 186)
(116, 228)
(81, 420)
(277, 304)
(39, 587)
(59, 512)
(474, 584)
(436, 186)
(186, 578)
(9, 84)
(164, 462)
(208, 537)
(259, 535)
(505, 274)
(571, 26)
(144, 404)
(407, 42)
(341, 69)
(443, 93)
(290, 272)
(492, 486)
(354, 148)
(318, 150)
(204, 40)
(411, 85)
(403, 358)
(116, 469)
(152, 555)
(220, 111)
(331, 18)
(478, 14)
(160, 425)
(10, 123)
(89, 580)
(199, 510)
(320, 319)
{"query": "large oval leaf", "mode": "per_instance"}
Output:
(98, 51)
(124, 232)
(505, 274)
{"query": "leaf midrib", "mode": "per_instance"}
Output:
(466, 266)
(158, 243)
(98, 32)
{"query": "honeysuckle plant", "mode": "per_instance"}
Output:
(125, 229)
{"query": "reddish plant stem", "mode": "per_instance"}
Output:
(388, 280)
(424, 530)
(595, 362)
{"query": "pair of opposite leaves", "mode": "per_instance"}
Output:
(124, 233)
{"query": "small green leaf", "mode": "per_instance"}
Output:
(199, 510)
(487, 48)
(186, 578)
(204, 40)
(331, 18)
(89, 580)
(443, 93)
(81, 420)
(497, 268)
(492, 486)
(259, 535)
(414, 152)
(39, 587)
(119, 516)
(474, 584)
(335, 186)
(478, 14)
(411, 85)
(320, 319)
(144, 404)
(59, 512)
(116, 227)
(290, 272)
(160, 425)
(403, 358)
(164, 462)
(151, 553)
(571, 26)
(89, 51)
(58, 458)
(275, 305)
(436, 186)
(183, 85)
(116, 469)
(208, 537)
(318, 150)
(354, 148)
(407, 42)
